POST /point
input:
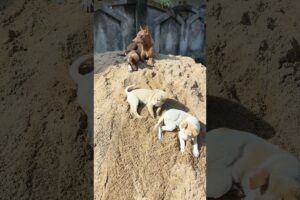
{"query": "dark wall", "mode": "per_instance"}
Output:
(176, 30)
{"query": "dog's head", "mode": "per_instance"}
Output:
(159, 98)
(191, 127)
(274, 186)
(143, 36)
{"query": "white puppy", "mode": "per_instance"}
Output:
(264, 171)
(151, 98)
(189, 127)
(84, 91)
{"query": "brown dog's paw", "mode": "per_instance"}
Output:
(150, 63)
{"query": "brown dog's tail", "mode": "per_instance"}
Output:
(127, 88)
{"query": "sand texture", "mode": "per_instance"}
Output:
(253, 69)
(43, 152)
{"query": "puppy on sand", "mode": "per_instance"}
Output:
(133, 53)
(189, 127)
(151, 98)
(264, 171)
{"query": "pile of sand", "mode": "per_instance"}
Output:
(129, 161)
(253, 60)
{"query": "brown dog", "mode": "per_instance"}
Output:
(144, 38)
(132, 52)
(133, 47)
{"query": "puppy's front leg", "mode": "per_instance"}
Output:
(195, 147)
(159, 135)
(150, 109)
(181, 141)
(158, 111)
(150, 55)
(129, 68)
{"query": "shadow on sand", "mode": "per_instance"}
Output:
(224, 113)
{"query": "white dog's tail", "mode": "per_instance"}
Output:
(159, 123)
(127, 88)
(74, 73)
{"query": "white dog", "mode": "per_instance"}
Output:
(264, 171)
(84, 91)
(151, 98)
(189, 127)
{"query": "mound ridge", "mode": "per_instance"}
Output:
(129, 161)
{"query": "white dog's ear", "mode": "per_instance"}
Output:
(259, 180)
(194, 132)
(184, 125)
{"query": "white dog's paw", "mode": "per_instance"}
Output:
(87, 5)
(196, 153)
(159, 134)
(129, 68)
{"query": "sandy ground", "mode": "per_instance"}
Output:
(254, 68)
(43, 153)
(130, 162)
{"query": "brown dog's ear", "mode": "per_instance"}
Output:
(258, 180)
(141, 28)
(146, 29)
(184, 125)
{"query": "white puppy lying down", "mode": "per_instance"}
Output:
(264, 171)
(189, 127)
(151, 98)
(84, 91)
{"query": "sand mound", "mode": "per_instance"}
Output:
(129, 161)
